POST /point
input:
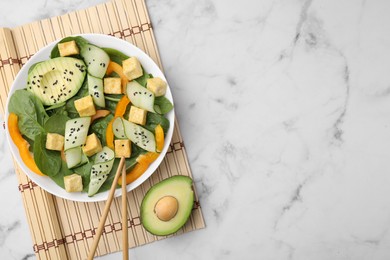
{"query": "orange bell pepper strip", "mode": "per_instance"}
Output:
(22, 144)
(121, 106)
(115, 67)
(99, 114)
(110, 135)
(144, 160)
(159, 135)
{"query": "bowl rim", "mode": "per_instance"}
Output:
(146, 61)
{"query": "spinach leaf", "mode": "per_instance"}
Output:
(130, 162)
(142, 80)
(30, 111)
(49, 162)
(115, 55)
(152, 120)
(99, 128)
(111, 105)
(58, 111)
(59, 177)
(162, 105)
(55, 106)
(85, 172)
(80, 41)
(56, 124)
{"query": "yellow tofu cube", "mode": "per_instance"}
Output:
(73, 183)
(112, 86)
(157, 86)
(68, 48)
(137, 115)
(92, 145)
(122, 148)
(132, 68)
(85, 106)
(54, 142)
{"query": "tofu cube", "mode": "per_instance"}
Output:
(68, 48)
(122, 148)
(73, 183)
(92, 145)
(157, 86)
(85, 106)
(54, 142)
(137, 115)
(132, 68)
(112, 86)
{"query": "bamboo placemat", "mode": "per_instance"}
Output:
(63, 229)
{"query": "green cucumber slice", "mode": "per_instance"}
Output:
(76, 131)
(73, 157)
(95, 89)
(96, 60)
(104, 161)
(140, 136)
(118, 128)
(140, 97)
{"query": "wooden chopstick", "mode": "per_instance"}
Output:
(125, 241)
(107, 209)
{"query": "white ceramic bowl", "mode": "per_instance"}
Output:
(102, 41)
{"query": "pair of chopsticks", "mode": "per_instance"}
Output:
(125, 244)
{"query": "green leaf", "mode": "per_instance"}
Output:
(85, 172)
(55, 106)
(142, 80)
(99, 128)
(56, 124)
(49, 162)
(59, 177)
(30, 111)
(163, 104)
(115, 55)
(152, 120)
(80, 41)
(130, 162)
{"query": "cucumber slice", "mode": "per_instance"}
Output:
(73, 157)
(104, 161)
(118, 128)
(95, 89)
(76, 131)
(140, 97)
(140, 136)
(96, 59)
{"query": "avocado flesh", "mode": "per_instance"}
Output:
(56, 80)
(179, 187)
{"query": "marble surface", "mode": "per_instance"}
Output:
(285, 111)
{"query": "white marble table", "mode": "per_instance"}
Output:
(285, 111)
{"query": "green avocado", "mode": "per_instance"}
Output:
(56, 80)
(167, 206)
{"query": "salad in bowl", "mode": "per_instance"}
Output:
(81, 104)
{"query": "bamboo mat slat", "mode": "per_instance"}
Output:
(63, 229)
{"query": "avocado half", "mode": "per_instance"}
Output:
(167, 205)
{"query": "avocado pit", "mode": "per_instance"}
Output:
(166, 208)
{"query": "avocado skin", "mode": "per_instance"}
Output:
(177, 186)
